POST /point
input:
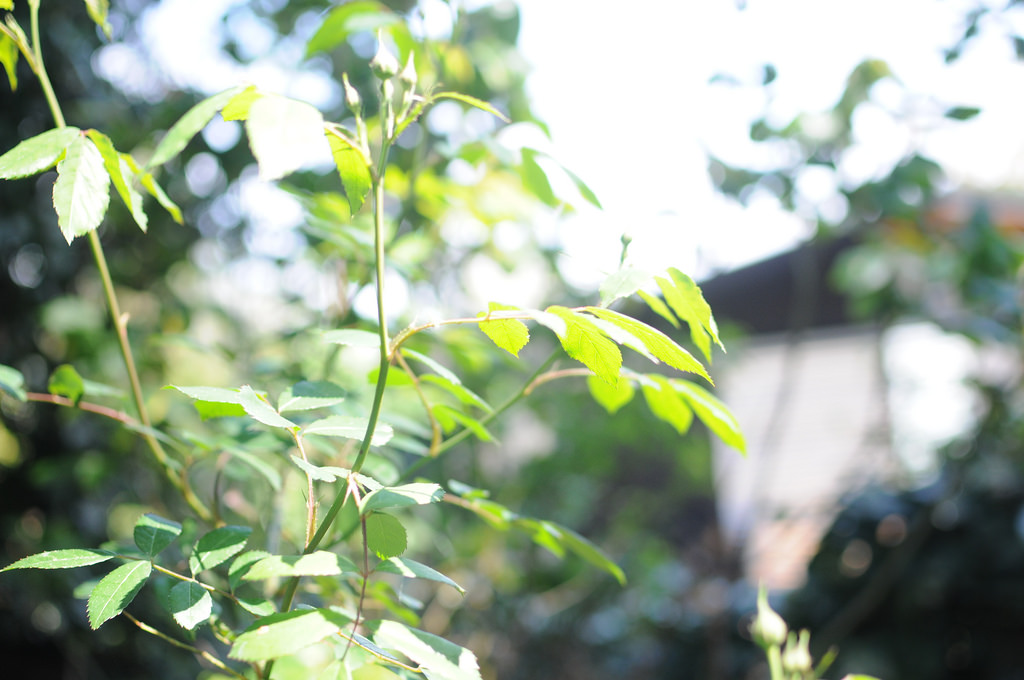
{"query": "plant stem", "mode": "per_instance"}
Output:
(40, 68)
(182, 645)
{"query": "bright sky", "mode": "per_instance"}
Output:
(625, 91)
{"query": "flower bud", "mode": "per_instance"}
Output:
(352, 99)
(384, 64)
(796, 657)
(768, 628)
(408, 74)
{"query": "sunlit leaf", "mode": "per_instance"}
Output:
(686, 300)
(81, 192)
(282, 634)
(349, 18)
(591, 553)
(9, 58)
(38, 153)
(610, 397)
(472, 101)
(348, 427)
(98, 13)
(586, 343)
(535, 179)
(385, 535)
(61, 559)
(307, 395)
(666, 403)
(262, 411)
(116, 590)
(242, 564)
(403, 566)
(65, 382)
(418, 493)
(438, 658)
(510, 335)
(153, 533)
(120, 173)
(659, 307)
(458, 390)
(12, 382)
(190, 604)
(581, 186)
(218, 546)
(319, 563)
(353, 169)
(283, 134)
(432, 364)
(449, 416)
(712, 413)
(149, 183)
(353, 337)
(188, 126)
(622, 283)
(238, 107)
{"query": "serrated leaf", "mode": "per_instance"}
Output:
(419, 493)
(346, 19)
(438, 658)
(352, 337)
(666, 403)
(12, 382)
(282, 634)
(656, 342)
(97, 10)
(283, 134)
(319, 563)
(713, 413)
(188, 126)
(260, 410)
(153, 533)
(686, 300)
(348, 427)
(403, 566)
(353, 169)
(308, 395)
(218, 546)
(449, 416)
(38, 153)
(9, 58)
(119, 172)
(610, 397)
(622, 283)
(65, 382)
(241, 565)
(190, 604)
(238, 107)
(385, 535)
(472, 101)
(510, 335)
(61, 559)
(586, 343)
(81, 193)
(116, 590)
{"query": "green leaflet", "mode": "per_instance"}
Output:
(448, 417)
(218, 546)
(37, 153)
(262, 411)
(148, 183)
(154, 533)
(120, 172)
(98, 13)
(283, 134)
(659, 307)
(403, 566)
(666, 403)
(214, 402)
(346, 19)
(307, 395)
(348, 427)
(65, 382)
(12, 382)
(238, 106)
(282, 634)
(586, 343)
(610, 397)
(622, 283)
(472, 101)
(686, 300)
(242, 564)
(188, 126)
(510, 335)
(712, 413)
(116, 590)
(535, 179)
(459, 391)
(418, 493)
(190, 604)
(61, 559)
(353, 337)
(82, 190)
(353, 168)
(385, 535)
(438, 658)
(319, 563)
(9, 59)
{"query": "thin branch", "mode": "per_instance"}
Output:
(183, 645)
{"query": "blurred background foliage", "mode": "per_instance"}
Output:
(226, 299)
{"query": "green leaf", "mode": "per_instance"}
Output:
(712, 413)
(535, 179)
(472, 101)
(510, 335)
(241, 565)
(37, 153)
(265, 469)
(385, 535)
(12, 382)
(153, 189)
(659, 307)
(154, 533)
(610, 397)
(586, 343)
(262, 411)
(319, 563)
(622, 283)
(656, 342)
(282, 634)
(9, 59)
(255, 605)
(459, 391)
(119, 172)
(116, 590)
(348, 427)
(283, 133)
(65, 382)
(190, 604)
(433, 365)
(98, 13)
(419, 493)
(353, 168)
(308, 395)
(686, 300)
(213, 402)
(82, 190)
(188, 126)
(449, 416)
(61, 559)
(238, 107)
(346, 19)
(218, 546)
(403, 566)
(438, 658)
(352, 337)
(962, 112)
(666, 403)
(591, 553)
(581, 186)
